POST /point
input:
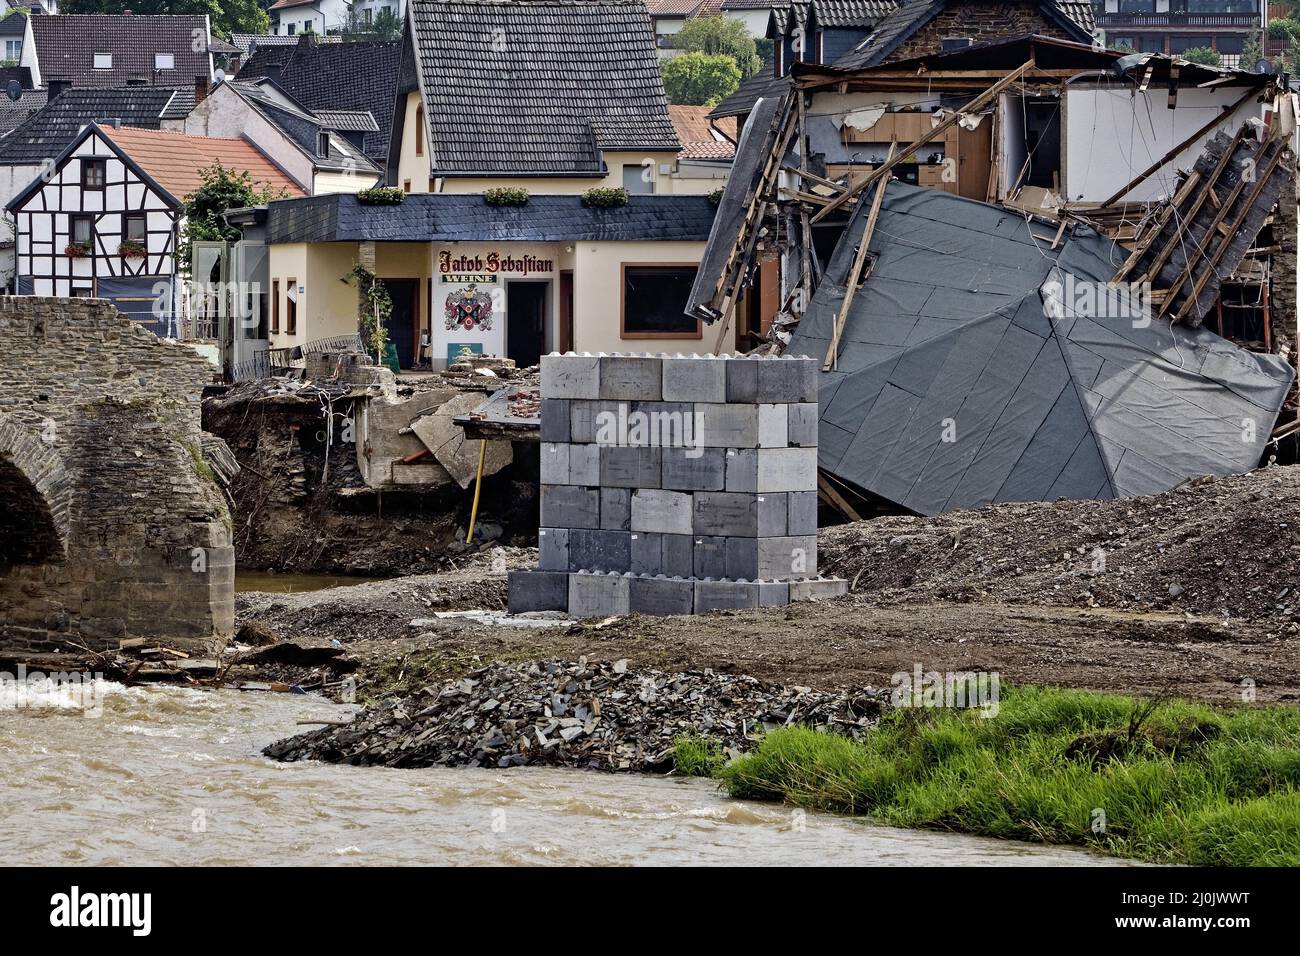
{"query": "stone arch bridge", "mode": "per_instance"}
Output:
(111, 522)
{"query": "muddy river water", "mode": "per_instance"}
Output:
(174, 776)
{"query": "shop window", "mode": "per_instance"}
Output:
(654, 302)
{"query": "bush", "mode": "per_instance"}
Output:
(715, 197)
(605, 197)
(695, 756)
(381, 196)
(505, 196)
(1203, 55)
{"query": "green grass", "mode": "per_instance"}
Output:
(695, 756)
(1185, 783)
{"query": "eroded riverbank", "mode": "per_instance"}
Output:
(173, 776)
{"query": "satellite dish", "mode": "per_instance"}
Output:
(15, 90)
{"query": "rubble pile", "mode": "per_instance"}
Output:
(603, 716)
(1222, 546)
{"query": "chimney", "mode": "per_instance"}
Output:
(306, 40)
(201, 86)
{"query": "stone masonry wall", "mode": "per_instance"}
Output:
(980, 22)
(111, 523)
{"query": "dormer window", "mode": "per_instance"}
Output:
(164, 61)
(103, 61)
(323, 147)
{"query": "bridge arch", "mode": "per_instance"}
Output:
(35, 498)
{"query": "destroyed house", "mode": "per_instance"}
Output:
(1052, 315)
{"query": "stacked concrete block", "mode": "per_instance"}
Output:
(675, 484)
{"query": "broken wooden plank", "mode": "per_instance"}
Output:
(855, 273)
(973, 106)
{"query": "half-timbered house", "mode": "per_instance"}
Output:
(105, 220)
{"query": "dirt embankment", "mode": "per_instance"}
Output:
(1226, 547)
(301, 504)
(1002, 589)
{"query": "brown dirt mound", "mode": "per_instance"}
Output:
(1221, 546)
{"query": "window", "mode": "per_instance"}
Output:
(1137, 6)
(639, 179)
(292, 28)
(275, 306)
(406, 185)
(103, 61)
(134, 227)
(955, 43)
(291, 306)
(164, 61)
(1181, 44)
(368, 16)
(323, 144)
(13, 50)
(419, 130)
(92, 173)
(654, 301)
(80, 230)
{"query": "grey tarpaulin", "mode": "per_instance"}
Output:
(977, 366)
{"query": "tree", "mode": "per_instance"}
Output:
(1203, 55)
(720, 35)
(227, 16)
(222, 189)
(700, 79)
(1251, 53)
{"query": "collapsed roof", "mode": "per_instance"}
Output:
(975, 366)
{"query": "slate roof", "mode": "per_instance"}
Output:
(456, 217)
(66, 46)
(757, 87)
(175, 159)
(749, 4)
(909, 17)
(348, 121)
(359, 76)
(966, 317)
(572, 78)
(15, 24)
(46, 134)
(246, 41)
(304, 128)
(833, 14)
(14, 114)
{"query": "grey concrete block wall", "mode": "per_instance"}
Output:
(677, 484)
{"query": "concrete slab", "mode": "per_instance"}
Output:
(553, 549)
(773, 426)
(630, 378)
(781, 559)
(537, 591)
(616, 509)
(728, 426)
(668, 512)
(710, 557)
(446, 440)
(598, 595)
(818, 589)
(587, 417)
(742, 558)
(773, 593)
(584, 465)
(599, 550)
(742, 469)
(694, 469)
(802, 425)
(570, 376)
(555, 419)
(555, 463)
(801, 512)
(623, 467)
(569, 506)
(742, 380)
(725, 595)
(661, 595)
(697, 379)
(787, 469)
(772, 514)
(725, 513)
(787, 379)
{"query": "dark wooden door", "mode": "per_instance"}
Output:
(404, 322)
